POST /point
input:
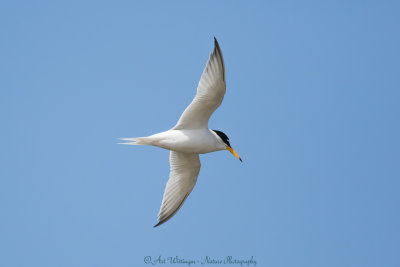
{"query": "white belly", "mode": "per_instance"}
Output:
(198, 141)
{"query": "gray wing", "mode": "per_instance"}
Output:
(184, 169)
(210, 93)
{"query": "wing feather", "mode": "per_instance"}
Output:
(210, 93)
(185, 168)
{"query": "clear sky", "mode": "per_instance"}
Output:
(312, 107)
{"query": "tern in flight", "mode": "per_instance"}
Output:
(191, 137)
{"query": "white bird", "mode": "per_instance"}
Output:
(191, 137)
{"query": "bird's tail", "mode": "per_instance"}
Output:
(136, 141)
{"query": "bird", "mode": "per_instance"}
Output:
(191, 137)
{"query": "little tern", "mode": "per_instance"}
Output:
(191, 137)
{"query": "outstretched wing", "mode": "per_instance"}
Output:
(185, 168)
(210, 93)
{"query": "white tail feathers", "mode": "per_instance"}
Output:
(135, 141)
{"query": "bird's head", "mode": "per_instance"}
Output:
(224, 138)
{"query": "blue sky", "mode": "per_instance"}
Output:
(312, 107)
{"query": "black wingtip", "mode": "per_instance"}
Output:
(217, 51)
(159, 223)
(240, 159)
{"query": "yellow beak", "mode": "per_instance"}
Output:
(233, 152)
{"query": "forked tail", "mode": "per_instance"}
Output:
(135, 141)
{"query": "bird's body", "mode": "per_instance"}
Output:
(191, 137)
(199, 141)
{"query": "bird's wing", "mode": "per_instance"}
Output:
(185, 168)
(210, 93)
